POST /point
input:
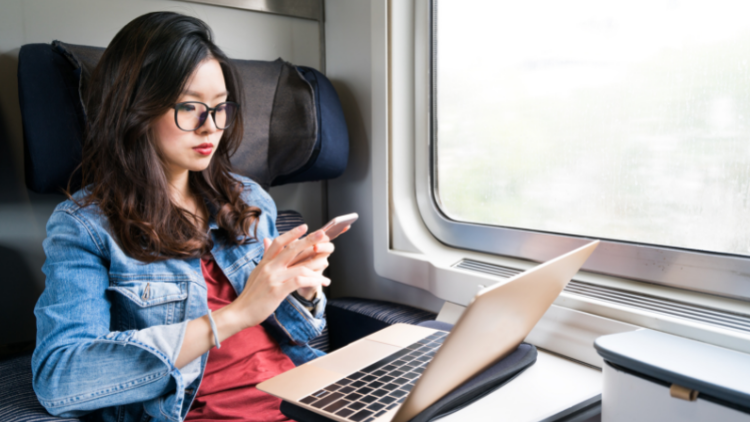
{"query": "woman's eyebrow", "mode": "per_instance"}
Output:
(198, 95)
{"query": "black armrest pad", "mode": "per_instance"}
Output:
(350, 319)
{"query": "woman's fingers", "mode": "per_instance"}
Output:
(280, 243)
(290, 253)
(324, 248)
(268, 285)
(316, 251)
(303, 256)
(301, 282)
(303, 277)
(317, 264)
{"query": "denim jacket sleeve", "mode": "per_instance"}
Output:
(79, 365)
(293, 326)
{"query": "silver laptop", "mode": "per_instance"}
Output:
(399, 371)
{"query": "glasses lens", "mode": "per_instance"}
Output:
(225, 114)
(190, 116)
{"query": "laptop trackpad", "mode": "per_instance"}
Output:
(355, 356)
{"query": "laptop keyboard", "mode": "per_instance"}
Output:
(370, 392)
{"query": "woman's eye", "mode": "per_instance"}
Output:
(186, 107)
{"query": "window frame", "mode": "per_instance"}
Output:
(719, 274)
(395, 95)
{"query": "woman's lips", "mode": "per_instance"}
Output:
(204, 149)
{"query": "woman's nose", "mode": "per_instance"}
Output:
(209, 125)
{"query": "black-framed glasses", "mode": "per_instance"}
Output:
(190, 115)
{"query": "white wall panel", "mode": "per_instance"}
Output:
(355, 61)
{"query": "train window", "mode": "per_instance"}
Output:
(623, 121)
(617, 120)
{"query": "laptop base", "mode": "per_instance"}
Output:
(479, 386)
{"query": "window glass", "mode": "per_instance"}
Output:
(623, 120)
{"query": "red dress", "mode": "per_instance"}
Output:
(246, 359)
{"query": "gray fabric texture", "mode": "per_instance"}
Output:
(293, 129)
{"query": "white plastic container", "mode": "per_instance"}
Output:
(652, 376)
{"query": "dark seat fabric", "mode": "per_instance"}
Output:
(489, 380)
(331, 148)
(52, 120)
(295, 129)
(287, 220)
(18, 402)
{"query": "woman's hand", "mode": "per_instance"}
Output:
(315, 258)
(288, 264)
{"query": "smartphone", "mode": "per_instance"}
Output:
(336, 226)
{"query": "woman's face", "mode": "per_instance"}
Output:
(192, 151)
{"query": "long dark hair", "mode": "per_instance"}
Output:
(140, 76)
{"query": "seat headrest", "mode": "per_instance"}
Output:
(294, 125)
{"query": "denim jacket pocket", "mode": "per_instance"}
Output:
(140, 304)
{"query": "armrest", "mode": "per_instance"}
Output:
(350, 319)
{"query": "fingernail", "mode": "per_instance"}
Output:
(301, 228)
(315, 247)
(318, 236)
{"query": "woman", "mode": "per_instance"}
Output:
(162, 234)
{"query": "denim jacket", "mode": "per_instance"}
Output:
(110, 328)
